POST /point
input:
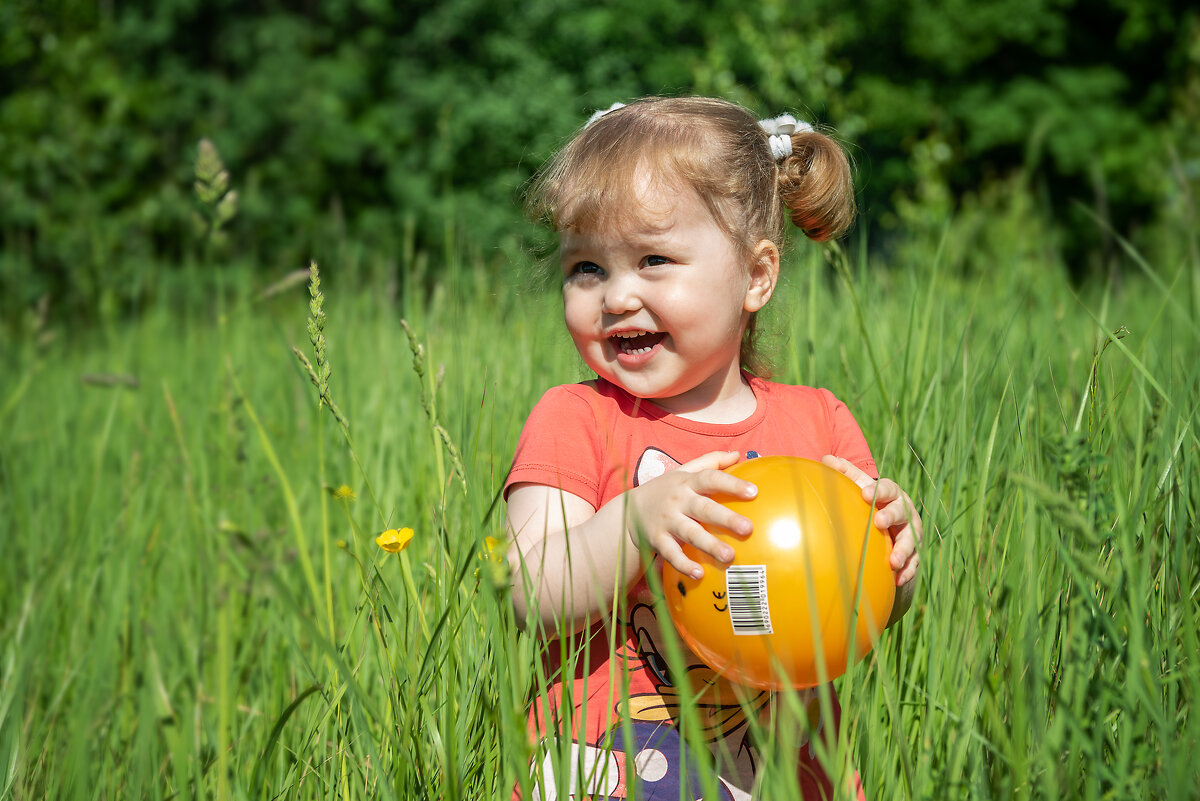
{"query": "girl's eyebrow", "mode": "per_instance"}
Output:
(565, 253)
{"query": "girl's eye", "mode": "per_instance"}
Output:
(654, 261)
(586, 268)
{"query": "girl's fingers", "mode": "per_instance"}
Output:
(706, 510)
(904, 546)
(848, 469)
(715, 482)
(673, 555)
(882, 493)
(695, 535)
(914, 521)
(905, 513)
(878, 492)
(708, 476)
(908, 571)
(698, 537)
(715, 460)
(894, 513)
(902, 522)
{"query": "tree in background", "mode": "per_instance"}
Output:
(356, 121)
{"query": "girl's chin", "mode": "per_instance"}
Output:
(652, 391)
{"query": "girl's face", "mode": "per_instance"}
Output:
(658, 306)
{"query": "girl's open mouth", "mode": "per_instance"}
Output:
(636, 344)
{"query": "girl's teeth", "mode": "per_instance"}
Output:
(637, 344)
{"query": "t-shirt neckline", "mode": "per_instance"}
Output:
(648, 408)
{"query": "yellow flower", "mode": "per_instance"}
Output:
(493, 557)
(394, 541)
(343, 493)
(494, 548)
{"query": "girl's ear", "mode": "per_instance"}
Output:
(764, 273)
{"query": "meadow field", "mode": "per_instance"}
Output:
(193, 604)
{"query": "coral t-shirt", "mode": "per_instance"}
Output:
(596, 441)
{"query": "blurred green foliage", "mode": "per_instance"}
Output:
(360, 120)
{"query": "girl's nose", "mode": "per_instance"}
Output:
(620, 295)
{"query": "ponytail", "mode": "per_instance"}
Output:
(815, 186)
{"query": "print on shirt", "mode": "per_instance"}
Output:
(724, 718)
(652, 464)
(655, 462)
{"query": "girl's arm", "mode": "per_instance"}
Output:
(565, 555)
(570, 561)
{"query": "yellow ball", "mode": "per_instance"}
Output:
(813, 580)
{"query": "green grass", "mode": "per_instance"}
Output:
(186, 611)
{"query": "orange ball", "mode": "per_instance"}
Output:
(792, 593)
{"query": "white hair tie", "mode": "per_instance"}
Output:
(601, 112)
(779, 134)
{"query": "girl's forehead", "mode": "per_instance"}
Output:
(644, 206)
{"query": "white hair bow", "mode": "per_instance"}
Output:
(601, 112)
(779, 134)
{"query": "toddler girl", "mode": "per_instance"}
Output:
(669, 213)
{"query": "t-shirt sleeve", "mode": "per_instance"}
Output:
(848, 441)
(558, 446)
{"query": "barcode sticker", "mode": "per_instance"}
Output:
(746, 591)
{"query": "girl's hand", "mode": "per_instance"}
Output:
(675, 507)
(895, 513)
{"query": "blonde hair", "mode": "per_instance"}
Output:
(718, 149)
